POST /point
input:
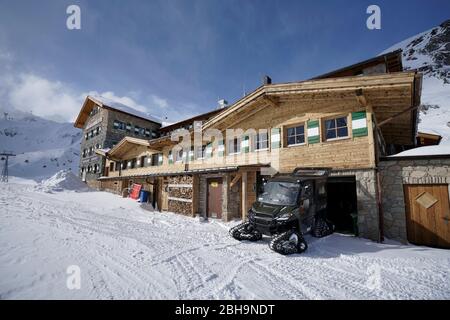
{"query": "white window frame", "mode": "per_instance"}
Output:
(304, 135)
(236, 142)
(336, 128)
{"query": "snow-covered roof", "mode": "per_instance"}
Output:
(124, 108)
(425, 151)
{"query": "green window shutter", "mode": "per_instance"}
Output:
(275, 138)
(221, 148)
(160, 159)
(170, 157)
(245, 144)
(359, 124)
(313, 131)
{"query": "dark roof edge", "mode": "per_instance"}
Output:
(379, 57)
(422, 157)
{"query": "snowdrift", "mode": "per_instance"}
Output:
(62, 181)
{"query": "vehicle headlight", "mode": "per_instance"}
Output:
(284, 216)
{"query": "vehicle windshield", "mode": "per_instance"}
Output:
(280, 193)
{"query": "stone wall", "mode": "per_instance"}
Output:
(109, 136)
(366, 201)
(397, 172)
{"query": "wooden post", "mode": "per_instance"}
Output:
(370, 131)
(244, 195)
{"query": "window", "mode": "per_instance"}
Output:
(155, 159)
(154, 134)
(119, 125)
(143, 160)
(147, 133)
(336, 128)
(295, 135)
(86, 136)
(136, 130)
(200, 152)
(262, 140)
(234, 146)
(128, 127)
(111, 166)
(84, 153)
(142, 131)
(179, 155)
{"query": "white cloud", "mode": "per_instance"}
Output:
(44, 98)
(159, 102)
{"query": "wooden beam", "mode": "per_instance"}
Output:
(235, 179)
(397, 115)
(244, 195)
(361, 98)
(270, 101)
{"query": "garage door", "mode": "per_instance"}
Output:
(428, 214)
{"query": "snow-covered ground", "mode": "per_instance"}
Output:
(124, 251)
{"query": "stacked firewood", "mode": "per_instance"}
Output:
(184, 208)
(180, 180)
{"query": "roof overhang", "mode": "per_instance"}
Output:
(83, 115)
(193, 171)
(124, 146)
(89, 103)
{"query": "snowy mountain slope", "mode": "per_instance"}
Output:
(43, 147)
(429, 52)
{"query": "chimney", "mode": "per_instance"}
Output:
(266, 80)
(222, 104)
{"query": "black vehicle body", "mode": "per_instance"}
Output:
(289, 206)
(310, 200)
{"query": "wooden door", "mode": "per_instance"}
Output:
(428, 214)
(214, 203)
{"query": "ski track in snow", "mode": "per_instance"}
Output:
(125, 252)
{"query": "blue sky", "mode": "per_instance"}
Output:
(176, 58)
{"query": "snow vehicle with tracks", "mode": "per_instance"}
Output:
(290, 206)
